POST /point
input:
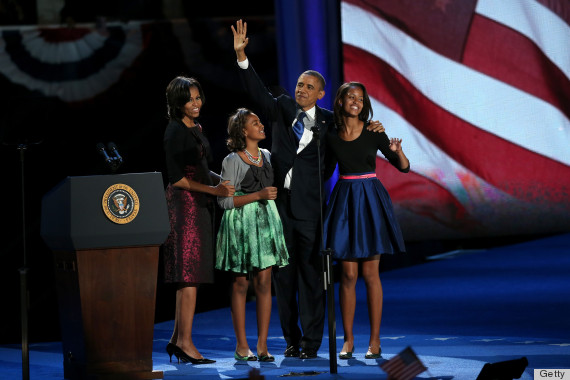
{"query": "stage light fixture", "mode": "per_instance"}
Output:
(507, 370)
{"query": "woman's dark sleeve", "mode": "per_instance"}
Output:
(330, 158)
(383, 144)
(174, 144)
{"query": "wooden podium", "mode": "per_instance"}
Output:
(105, 232)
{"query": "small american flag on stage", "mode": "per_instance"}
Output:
(406, 365)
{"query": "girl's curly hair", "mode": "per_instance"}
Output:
(236, 127)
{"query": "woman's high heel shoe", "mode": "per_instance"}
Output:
(185, 358)
(170, 350)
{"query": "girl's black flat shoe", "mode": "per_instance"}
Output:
(346, 355)
(371, 355)
(265, 358)
(185, 358)
(249, 358)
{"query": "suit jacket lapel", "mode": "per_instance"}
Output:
(319, 121)
(289, 128)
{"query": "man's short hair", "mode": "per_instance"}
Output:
(317, 75)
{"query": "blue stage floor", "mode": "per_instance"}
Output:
(457, 313)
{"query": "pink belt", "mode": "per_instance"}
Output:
(358, 176)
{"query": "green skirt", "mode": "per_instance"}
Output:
(251, 238)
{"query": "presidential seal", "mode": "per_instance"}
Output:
(120, 203)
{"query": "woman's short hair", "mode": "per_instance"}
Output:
(366, 112)
(236, 127)
(178, 94)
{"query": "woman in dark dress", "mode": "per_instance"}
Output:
(250, 240)
(188, 252)
(360, 224)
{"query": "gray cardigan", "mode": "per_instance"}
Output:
(234, 170)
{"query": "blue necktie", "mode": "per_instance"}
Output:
(299, 127)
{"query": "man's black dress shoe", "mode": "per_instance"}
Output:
(308, 353)
(291, 352)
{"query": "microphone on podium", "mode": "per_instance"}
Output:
(103, 152)
(113, 148)
(113, 161)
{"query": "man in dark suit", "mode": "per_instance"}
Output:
(295, 161)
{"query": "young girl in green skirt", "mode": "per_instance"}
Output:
(250, 239)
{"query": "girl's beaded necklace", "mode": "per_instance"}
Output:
(253, 159)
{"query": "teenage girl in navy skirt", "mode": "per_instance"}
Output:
(360, 223)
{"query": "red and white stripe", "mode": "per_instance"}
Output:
(487, 131)
(404, 366)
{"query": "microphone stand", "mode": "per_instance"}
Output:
(328, 280)
(24, 296)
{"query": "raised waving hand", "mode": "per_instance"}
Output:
(240, 39)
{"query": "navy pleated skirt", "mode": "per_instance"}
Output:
(359, 220)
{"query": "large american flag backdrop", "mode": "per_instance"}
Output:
(479, 91)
